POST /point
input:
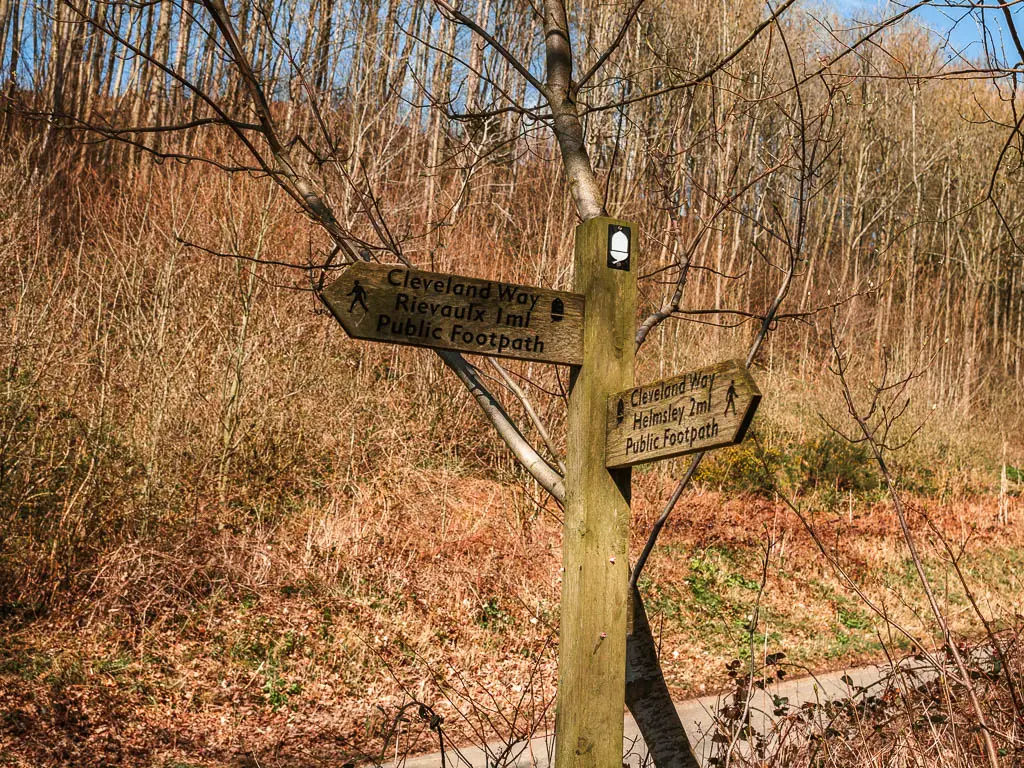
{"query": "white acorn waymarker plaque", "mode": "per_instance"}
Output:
(618, 247)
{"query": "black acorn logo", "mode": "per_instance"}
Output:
(557, 311)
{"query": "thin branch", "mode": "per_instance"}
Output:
(611, 48)
(708, 73)
(455, 14)
(525, 453)
(255, 259)
(521, 396)
(908, 539)
(672, 304)
(795, 251)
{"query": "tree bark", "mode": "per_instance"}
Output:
(5, 22)
(579, 171)
(322, 40)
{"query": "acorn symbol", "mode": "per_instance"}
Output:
(618, 247)
(557, 311)
(620, 412)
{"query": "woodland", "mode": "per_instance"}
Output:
(232, 536)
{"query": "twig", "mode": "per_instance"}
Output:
(530, 411)
(897, 502)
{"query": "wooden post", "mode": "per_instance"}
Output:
(595, 581)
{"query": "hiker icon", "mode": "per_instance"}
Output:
(358, 294)
(730, 398)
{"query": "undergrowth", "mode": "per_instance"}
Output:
(226, 529)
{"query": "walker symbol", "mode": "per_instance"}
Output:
(730, 398)
(358, 294)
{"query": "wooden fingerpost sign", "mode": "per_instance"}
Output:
(698, 411)
(394, 304)
(595, 579)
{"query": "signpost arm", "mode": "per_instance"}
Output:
(592, 644)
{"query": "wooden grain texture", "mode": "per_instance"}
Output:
(697, 411)
(484, 317)
(595, 581)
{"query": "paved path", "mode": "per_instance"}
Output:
(697, 716)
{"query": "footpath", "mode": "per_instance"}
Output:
(697, 716)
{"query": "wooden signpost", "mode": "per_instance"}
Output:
(704, 409)
(483, 317)
(610, 427)
(595, 531)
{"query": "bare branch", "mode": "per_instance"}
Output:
(538, 423)
(708, 73)
(585, 78)
(795, 247)
(908, 539)
(453, 13)
(549, 480)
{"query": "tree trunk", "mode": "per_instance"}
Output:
(157, 90)
(5, 22)
(476, 58)
(177, 96)
(322, 41)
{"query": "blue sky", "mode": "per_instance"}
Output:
(963, 27)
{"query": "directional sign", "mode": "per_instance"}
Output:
(483, 317)
(698, 411)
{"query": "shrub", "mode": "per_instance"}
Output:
(830, 461)
(825, 462)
